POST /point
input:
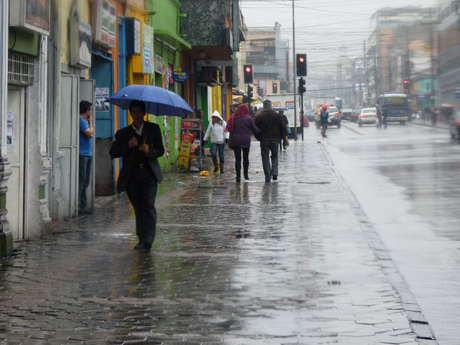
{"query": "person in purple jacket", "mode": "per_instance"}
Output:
(239, 125)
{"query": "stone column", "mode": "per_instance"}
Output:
(6, 236)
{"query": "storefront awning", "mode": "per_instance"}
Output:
(172, 39)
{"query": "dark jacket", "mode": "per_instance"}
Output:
(241, 135)
(120, 148)
(271, 125)
(323, 118)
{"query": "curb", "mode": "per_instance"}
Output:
(427, 125)
(418, 323)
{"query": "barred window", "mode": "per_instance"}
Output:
(20, 69)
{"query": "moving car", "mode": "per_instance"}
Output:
(367, 116)
(334, 115)
(354, 115)
(454, 126)
(346, 114)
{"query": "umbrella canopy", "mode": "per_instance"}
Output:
(447, 105)
(280, 109)
(157, 101)
(326, 106)
(244, 99)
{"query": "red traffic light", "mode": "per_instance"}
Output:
(248, 69)
(406, 81)
(301, 59)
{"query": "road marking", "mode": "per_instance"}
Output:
(353, 130)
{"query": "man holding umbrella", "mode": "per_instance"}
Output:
(140, 145)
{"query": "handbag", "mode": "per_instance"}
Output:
(288, 130)
(329, 120)
(230, 142)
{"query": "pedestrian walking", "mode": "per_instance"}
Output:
(384, 116)
(434, 115)
(379, 116)
(239, 126)
(85, 155)
(284, 141)
(217, 129)
(324, 118)
(140, 145)
(272, 130)
(199, 115)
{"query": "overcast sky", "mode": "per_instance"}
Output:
(322, 26)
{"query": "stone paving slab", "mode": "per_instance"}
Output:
(288, 262)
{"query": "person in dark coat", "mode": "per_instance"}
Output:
(286, 122)
(140, 145)
(272, 129)
(324, 116)
(239, 126)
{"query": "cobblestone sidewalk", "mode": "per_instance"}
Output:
(288, 262)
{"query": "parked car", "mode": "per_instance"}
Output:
(367, 116)
(454, 126)
(334, 115)
(346, 114)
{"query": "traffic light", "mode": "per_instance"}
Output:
(248, 79)
(250, 93)
(406, 84)
(302, 88)
(259, 90)
(301, 65)
(275, 87)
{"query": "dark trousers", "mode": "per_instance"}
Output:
(237, 151)
(84, 175)
(270, 168)
(142, 191)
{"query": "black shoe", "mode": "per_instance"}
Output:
(267, 180)
(216, 169)
(139, 246)
(84, 211)
(246, 176)
(275, 177)
(238, 179)
(285, 147)
(147, 245)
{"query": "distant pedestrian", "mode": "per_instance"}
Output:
(239, 126)
(379, 116)
(284, 141)
(140, 145)
(434, 115)
(324, 118)
(218, 139)
(384, 116)
(199, 115)
(272, 130)
(86, 154)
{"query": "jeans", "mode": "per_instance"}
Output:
(267, 147)
(237, 151)
(214, 148)
(84, 175)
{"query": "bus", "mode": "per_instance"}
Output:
(397, 106)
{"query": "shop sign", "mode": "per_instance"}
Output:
(80, 43)
(179, 75)
(101, 94)
(421, 96)
(170, 72)
(32, 15)
(457, 91)
(147, 52)
(104, 23)
(158, 64)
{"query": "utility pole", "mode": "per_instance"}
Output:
(432, 55)
(366, 80)
(294, 70)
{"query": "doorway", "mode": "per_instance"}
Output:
(16, 156)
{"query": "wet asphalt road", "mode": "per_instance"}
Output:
(406, 178)
(303, 260)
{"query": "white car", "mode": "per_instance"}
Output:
(367, 116)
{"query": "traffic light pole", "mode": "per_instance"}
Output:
(301, 105)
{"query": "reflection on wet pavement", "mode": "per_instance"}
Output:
(233, 263)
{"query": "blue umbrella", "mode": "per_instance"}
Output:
(157, 101)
